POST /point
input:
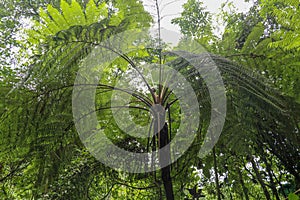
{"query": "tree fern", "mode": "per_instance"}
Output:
(54, 20)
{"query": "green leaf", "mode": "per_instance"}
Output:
(51, 26)
(57, 17)
(73, 13)
(253, 38)
(95, 14)
(116, 19)
(293, 196)
(91, 12)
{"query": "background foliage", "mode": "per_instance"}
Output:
(42, 46)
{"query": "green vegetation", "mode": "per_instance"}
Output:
(44, 45)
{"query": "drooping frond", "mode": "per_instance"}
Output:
(257, 113)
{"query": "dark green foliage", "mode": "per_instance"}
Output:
(256, 157)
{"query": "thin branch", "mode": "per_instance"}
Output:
(251, 55)
(296, 192)
(169, 15)
(172, 102)
(170, 122)
(109, 191)
(14, 170)
(159, 48)
(169, 3)
(110, 107)
(149, 132)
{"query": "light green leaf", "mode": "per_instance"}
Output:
(116, 19)
(57, 17)
(93, 13)
(72, 13)
(293, 196)
(52, 27)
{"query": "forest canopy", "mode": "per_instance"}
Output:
(95, 106)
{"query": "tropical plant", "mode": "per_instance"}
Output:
(43, 157)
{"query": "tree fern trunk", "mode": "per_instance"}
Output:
(165, 158)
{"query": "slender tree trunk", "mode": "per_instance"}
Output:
(272, 183)
(164, 157)
(259, 178)
(161, 129)
(245, 189)
(216, 175)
